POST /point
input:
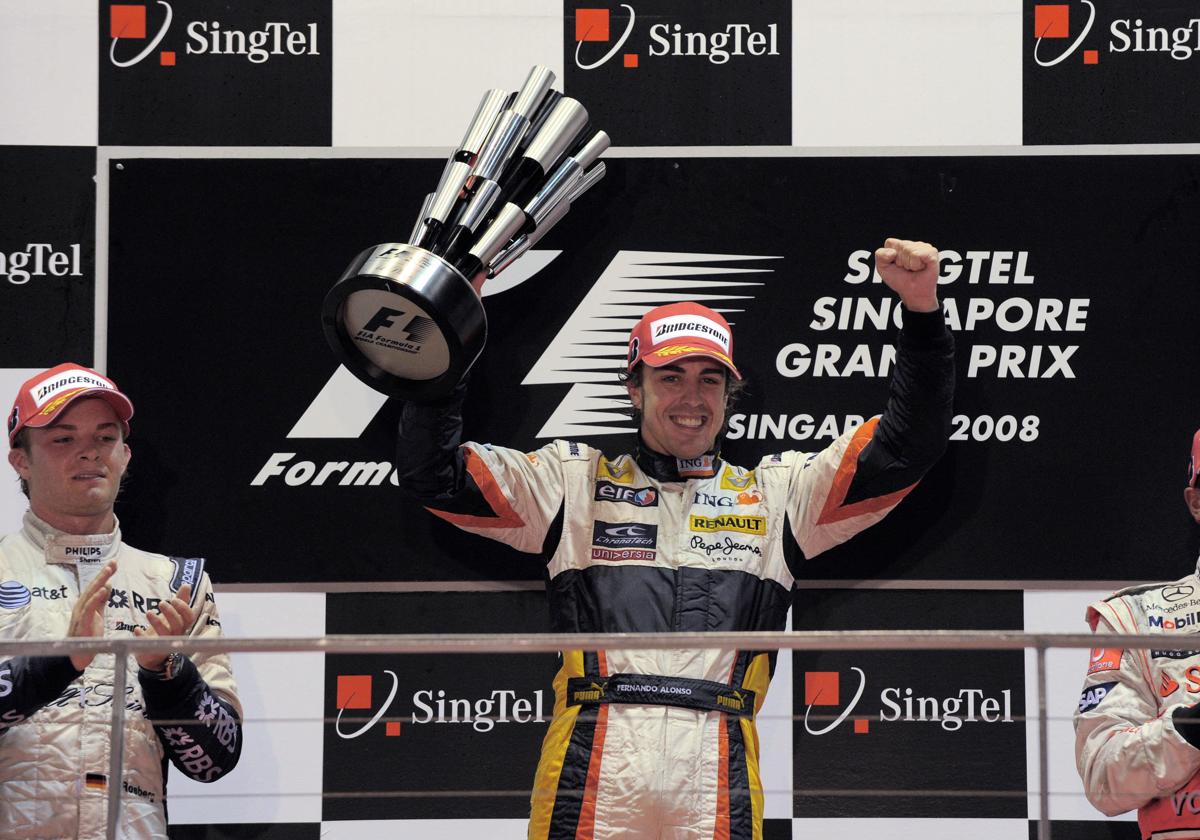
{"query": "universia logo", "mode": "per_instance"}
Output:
(130, 23)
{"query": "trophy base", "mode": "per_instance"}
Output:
(405, 322)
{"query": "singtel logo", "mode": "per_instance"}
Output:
(1052, 22)
(129, 23)
(734, 40)
(967, 705)
(354, 692)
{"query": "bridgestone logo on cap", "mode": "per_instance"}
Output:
(74, 379)
(676, 326)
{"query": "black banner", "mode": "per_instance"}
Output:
(47, 255)
(409, 734)
(712, 74)
(924, 734)
(1067, 281)
(1113, 71)
(195, 73)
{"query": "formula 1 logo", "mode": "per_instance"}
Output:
(588, 352)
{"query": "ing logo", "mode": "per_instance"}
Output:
(127, 22)
(594, 26)
(1053, 22)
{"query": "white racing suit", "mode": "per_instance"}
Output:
(55, 722)
(662, 743)
(1137, 728)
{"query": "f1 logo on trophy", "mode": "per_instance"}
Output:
(406, 318)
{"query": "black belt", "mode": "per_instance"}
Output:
(649, 689)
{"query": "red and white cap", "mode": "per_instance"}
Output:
(1194, 463)
(45, 396)
(679, 331)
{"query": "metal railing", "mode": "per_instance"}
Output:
(554, 642)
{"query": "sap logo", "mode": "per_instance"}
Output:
(1094, 696)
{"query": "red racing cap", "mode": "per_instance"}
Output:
(680, 331)
(45, 396)
(1194, 461)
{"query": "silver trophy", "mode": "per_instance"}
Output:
(406, 318)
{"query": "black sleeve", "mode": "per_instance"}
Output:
(429, 464)
(29, 682)
(915, 427)
(200, 732)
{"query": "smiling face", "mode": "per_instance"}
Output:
(682, 406)
(74, 467)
